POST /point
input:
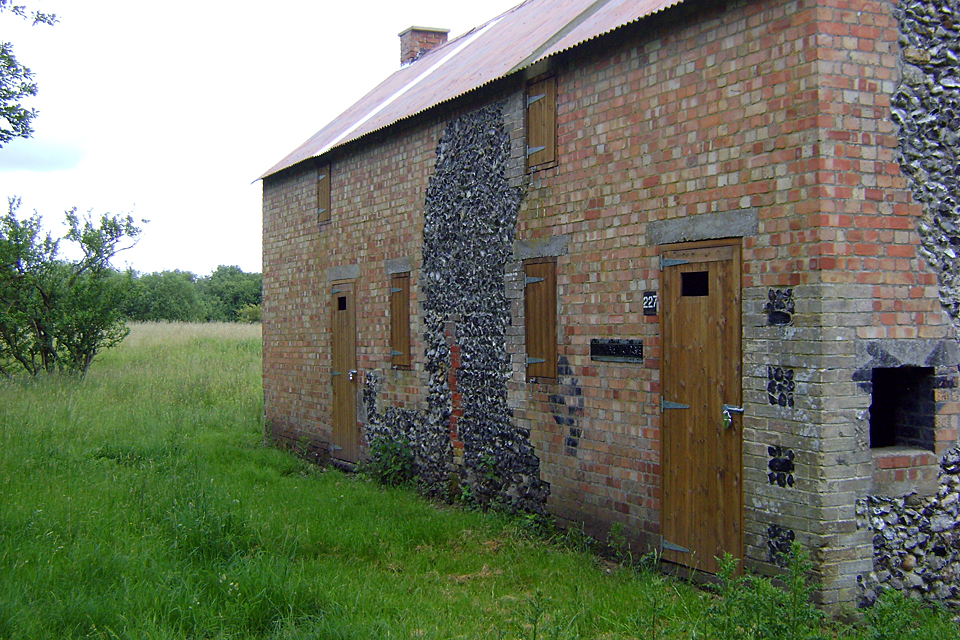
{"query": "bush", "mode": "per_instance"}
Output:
(751, 607)
(391, 462)
(250, 313)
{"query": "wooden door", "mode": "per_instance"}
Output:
(702, 466)
(345, 443)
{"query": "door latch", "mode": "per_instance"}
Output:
(353, 374)
(726, 417)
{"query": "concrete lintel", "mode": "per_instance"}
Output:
(398, 265)
(705, 226)
(906, 352)
(343, 272)
(547, 247)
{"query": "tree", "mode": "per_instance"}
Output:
(16, 80)
(56, 315)
(227, 290)
(166, 295)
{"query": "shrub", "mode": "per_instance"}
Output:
(391, 461)
(751, 607)
(250, 313)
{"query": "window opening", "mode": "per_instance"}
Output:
(400, 321)
(342, 303)
(903, 409)
(542, 123)
(695, 284)
(323, 194)
(540, 310)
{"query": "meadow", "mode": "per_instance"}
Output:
(141, 502)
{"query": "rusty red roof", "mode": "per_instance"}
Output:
(511, 42)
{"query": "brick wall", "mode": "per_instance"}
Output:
(777, 108)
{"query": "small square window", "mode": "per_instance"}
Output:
(695, 284)
(903, 409)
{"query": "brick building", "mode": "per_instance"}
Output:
(668, 264)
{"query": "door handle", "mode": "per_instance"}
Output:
(353, 375)
(725, 414)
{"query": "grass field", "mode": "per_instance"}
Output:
(142, 503)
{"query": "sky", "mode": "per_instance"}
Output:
(170, 111)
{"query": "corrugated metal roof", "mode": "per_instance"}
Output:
(515, 40)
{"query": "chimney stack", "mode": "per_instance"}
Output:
(416, 41)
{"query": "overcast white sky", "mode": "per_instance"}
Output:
(170, 110)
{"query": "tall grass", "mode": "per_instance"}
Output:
(141, 503)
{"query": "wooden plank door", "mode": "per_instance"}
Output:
(702, 466)
(343, 377)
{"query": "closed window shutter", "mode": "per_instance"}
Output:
(540, 310)
(400, 321)
(323, 193)
(542, 122)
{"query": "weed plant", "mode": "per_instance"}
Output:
(142, 503)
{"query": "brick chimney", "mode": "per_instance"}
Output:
(416, 41)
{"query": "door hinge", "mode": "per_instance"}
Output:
(394, 353)
(671, 262)
(532, 99)
(533, 150)
(321, 177)
(666, 404)
(335, 290)
(535, 360)
(529, 280)
(335, 373)
(669, 546)
(395, 289)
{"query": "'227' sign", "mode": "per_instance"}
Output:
(650, 303)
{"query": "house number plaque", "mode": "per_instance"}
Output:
(650, 303)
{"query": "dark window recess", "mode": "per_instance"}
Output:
(695, 284)
(342, 303)
(903, 409)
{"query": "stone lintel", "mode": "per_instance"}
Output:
(343, 272)
(705, 226)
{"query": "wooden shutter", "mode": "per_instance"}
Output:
(540, 311)
(542, 123)
(400, 320)
(323, 193)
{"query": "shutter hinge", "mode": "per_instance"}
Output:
(669, 546)
(533, 150)
(529, 280)
(666, 404)
(535, 360)
(671, 262)
(532, 99)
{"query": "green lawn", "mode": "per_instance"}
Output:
(142, 503)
